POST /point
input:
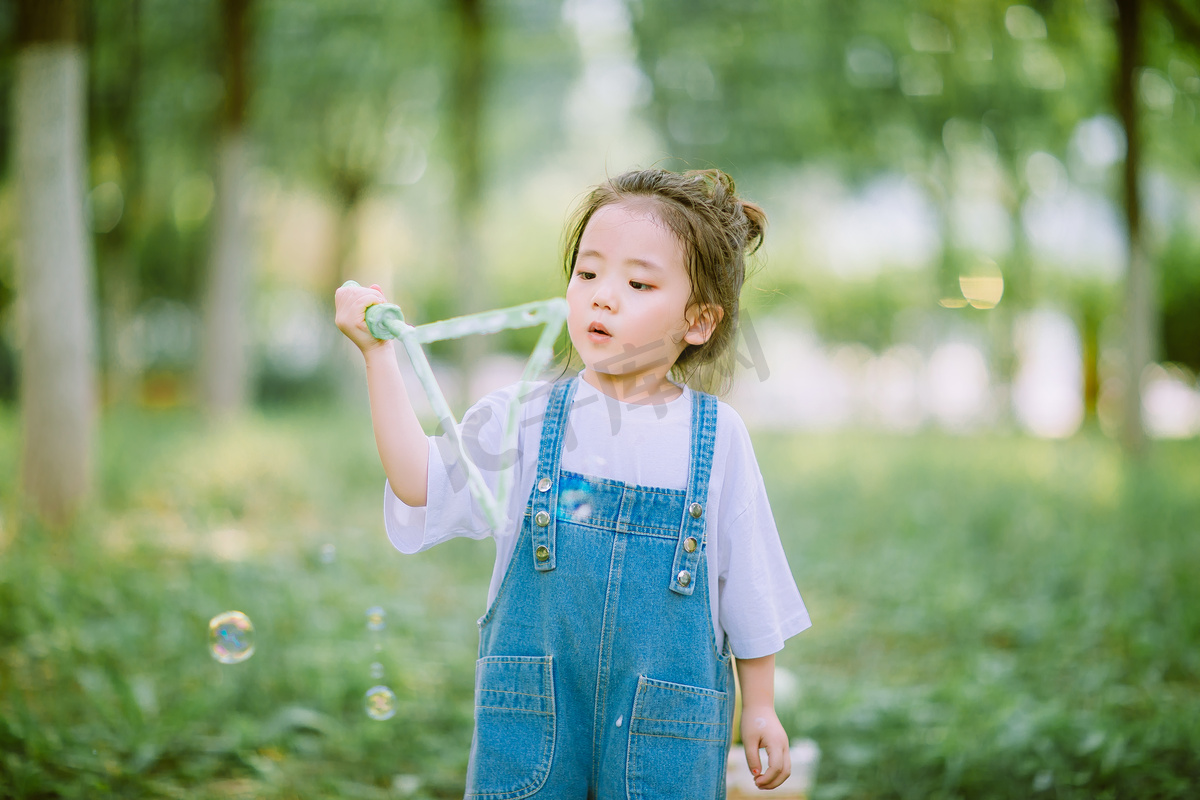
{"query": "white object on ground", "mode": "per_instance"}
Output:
(740, 782)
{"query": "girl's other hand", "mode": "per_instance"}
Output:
(761, 728)
(351, 304)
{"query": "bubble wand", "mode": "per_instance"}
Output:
(386, 321)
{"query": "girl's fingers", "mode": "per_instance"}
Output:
(752, 760)
(779, 761)
(351, 304)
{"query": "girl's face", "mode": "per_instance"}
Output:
(628, 297)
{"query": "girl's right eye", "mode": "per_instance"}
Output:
(584, 275)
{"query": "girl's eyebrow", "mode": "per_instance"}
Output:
(637, 262)
(650, 265)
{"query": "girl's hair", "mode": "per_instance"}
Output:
(718, 230)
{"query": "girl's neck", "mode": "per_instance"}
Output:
(633, 389)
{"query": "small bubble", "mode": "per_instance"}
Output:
(380, 703)
(328, 554)
(378, 647)
(231, 637)
(376, 671)
(375, 616)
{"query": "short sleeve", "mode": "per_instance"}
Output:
(760, 606)
(450, 510)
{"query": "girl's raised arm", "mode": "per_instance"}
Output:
(403, 447)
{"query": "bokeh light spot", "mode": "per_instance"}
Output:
(982, 285)
(1042, 69)
(929, 34)
(105, 205)
(192, 200)
(1156, 91)
(869, 63)
(1024, 22)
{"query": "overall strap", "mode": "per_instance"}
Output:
(690, 547)
(545, 490)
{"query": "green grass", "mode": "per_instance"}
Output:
(993, 617)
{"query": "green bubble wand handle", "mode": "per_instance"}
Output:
(386, 321)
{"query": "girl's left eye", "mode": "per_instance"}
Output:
(640, 286)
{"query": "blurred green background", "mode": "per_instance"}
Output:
(968, 362)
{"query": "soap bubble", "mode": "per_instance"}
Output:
(376, 671)
(231, 637)
(380, 703)
(375, 616)
(576, 500)
(328, 553)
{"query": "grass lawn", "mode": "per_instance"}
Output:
(993, 617)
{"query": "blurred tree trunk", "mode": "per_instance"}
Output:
(54, 263)
(1140, 308)
(350, 186)
(466, 112)
(1017, 297)
(1091, 317)
(225, 366)
(113, 123)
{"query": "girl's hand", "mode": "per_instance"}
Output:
(351, 304)
(761, 729)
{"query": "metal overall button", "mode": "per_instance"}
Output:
(542, 552)
(542, 519)
(684, 577)
(544, 485)
(696, 510)
(689, 544)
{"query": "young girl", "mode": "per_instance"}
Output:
(644, 553)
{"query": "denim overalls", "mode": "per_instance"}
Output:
(598, 675)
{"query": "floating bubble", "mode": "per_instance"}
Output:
(378, 647)
(576, 502)
(380, 703)
(328, 554)
(376, 671)
(375, 616)
(231, 637)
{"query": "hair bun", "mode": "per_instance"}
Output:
(742, 216)
(756, 220)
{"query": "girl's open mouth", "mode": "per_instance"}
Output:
(597, 333)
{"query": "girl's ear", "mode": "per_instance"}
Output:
(702, 321)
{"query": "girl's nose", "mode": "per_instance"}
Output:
(603, 298)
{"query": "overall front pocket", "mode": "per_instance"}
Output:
(678, 737)
(513, 745)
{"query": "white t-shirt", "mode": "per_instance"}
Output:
(753, 597)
